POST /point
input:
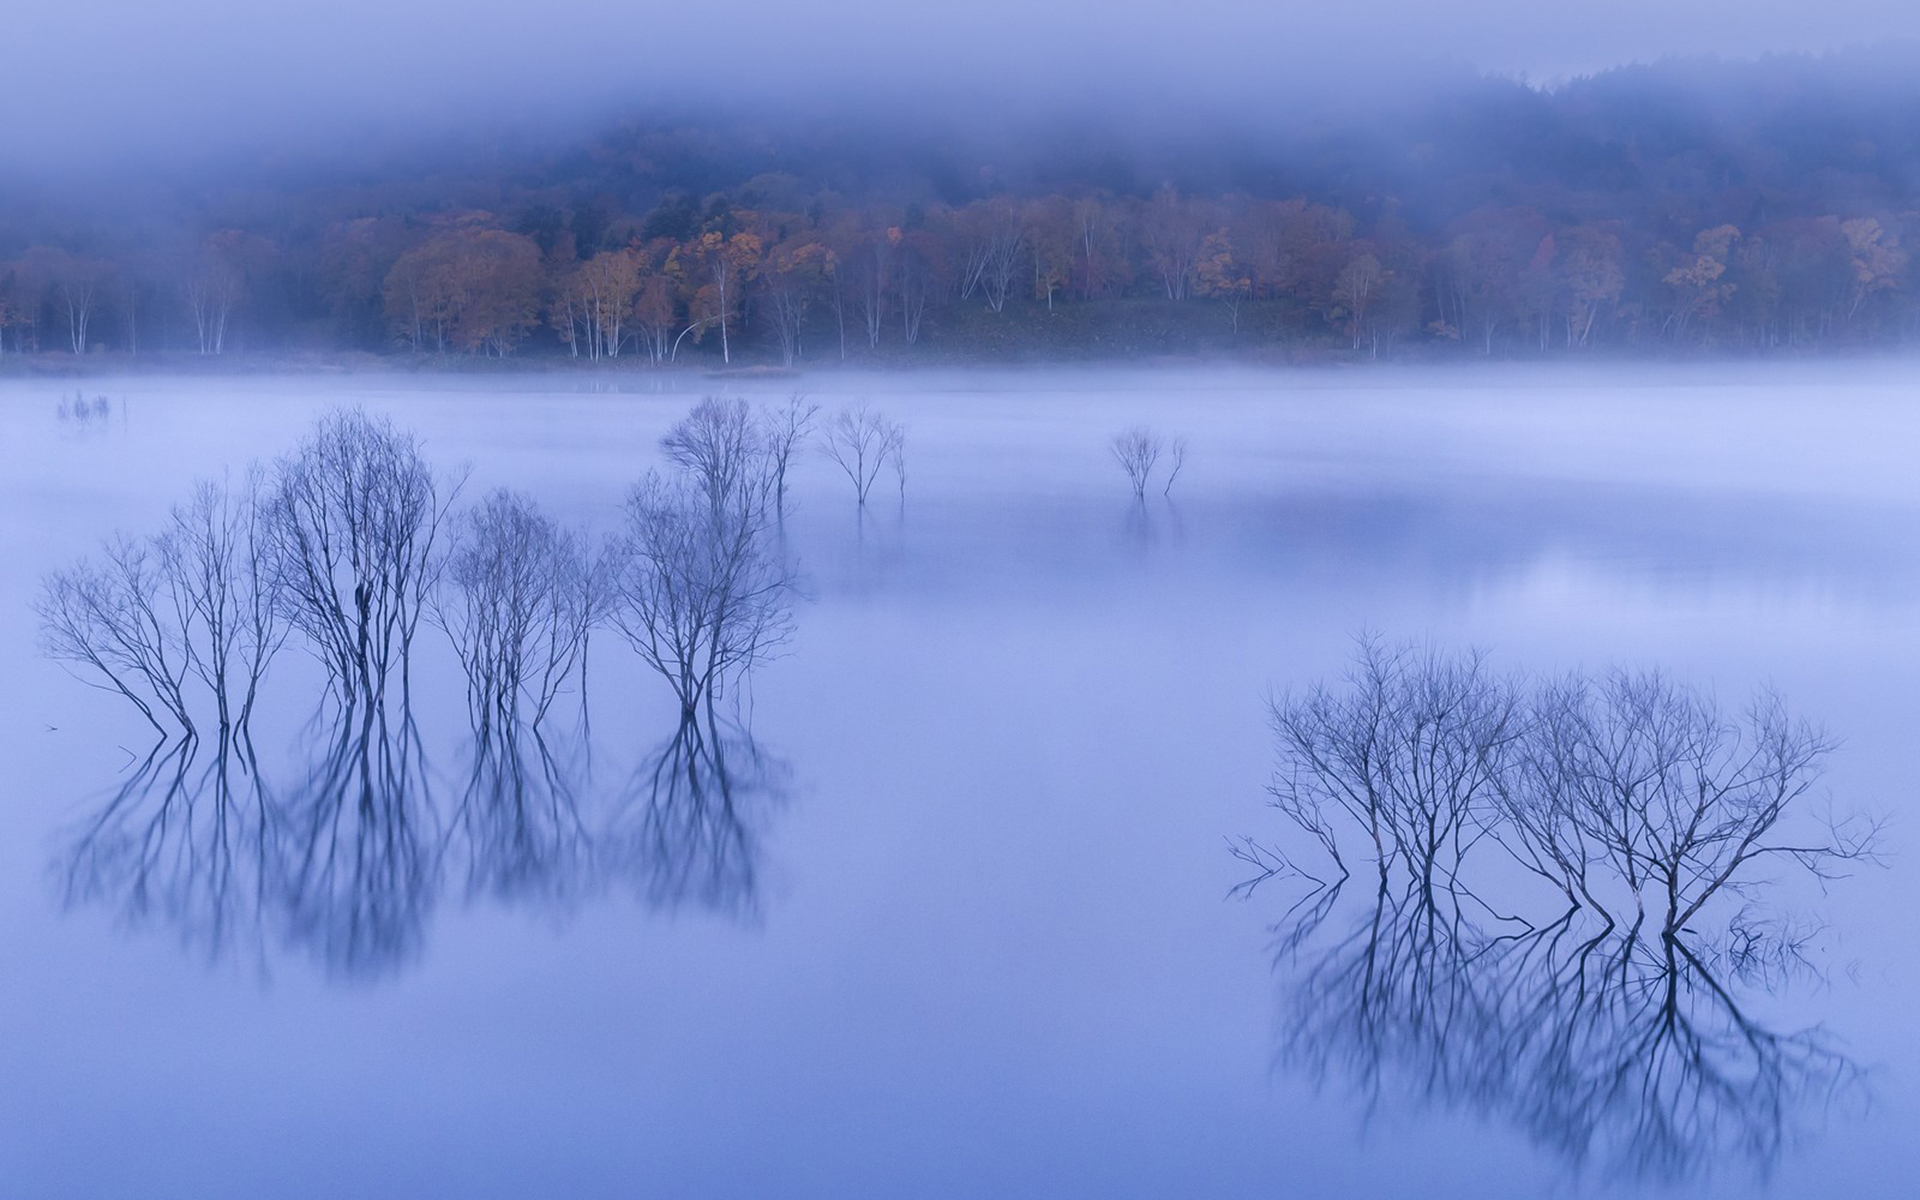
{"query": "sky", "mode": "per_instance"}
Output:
(116, 78)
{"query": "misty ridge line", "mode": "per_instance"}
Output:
(1688, 207)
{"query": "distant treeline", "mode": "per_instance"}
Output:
(1688, 206)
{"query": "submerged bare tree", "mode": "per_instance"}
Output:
(786, 428)
(860, 442)
(212, 557)
(192, 603)
(1137, 450)
(518, 598)
(352, 518)
(1649, 781)
(113, 619)
(1409, 750)
(897, 459)
(1626, 792)
(1178, 453)
(724, 450)
(701, 587)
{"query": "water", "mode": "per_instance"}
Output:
(983, 944)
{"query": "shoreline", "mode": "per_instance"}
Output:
(56, 365)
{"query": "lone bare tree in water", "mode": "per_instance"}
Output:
(1409, 750)
(701, 588)
(860, 442)
(352, 520)
(1137, 450)
(1636, 774)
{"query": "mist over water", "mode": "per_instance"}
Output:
(941, 902)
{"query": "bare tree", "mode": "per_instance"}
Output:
(1137, 450)
(1625, 792)
(701, 588)
(223, 594)
(721, 448)
(1178, 452)
(786, 428)
(194, 602)
(352, 519)
(114, 620)
(1408, 751)
(897, 459)
(861, 441)
(1648, 779)
(1001, 257)
(517, 601)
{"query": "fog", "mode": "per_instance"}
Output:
(112, 79)
(940, 898)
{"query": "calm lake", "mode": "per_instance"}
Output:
(965, 925)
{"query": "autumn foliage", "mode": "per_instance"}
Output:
(1586, 224)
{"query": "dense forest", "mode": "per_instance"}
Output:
(1682, 207)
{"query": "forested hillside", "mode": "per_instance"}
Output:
(1684, 207)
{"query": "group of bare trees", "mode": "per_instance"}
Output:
(350, 541)
(1139, 450)
(1611, 1030)
(1627, 793)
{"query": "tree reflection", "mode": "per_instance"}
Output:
(1552, 859)
(358, 864)
(346, 863)
(1629, 1057)
(184, 842)
(519, 824)
(688, 829)
(348, 542)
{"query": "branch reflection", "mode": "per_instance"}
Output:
(688, 830)
(358, 865)
(1628, 1057)
(183, 843)
(346, 864)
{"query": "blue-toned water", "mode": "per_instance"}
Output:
(958, 923)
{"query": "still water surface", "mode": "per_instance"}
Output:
(968, 931)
